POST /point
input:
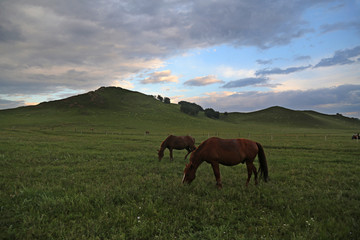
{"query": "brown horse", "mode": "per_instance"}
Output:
(228, 152)
(178, 143)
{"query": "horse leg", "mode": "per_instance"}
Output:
(249, 166)
(171, 154)
(251, 169)
(255, 173)
(215, 167)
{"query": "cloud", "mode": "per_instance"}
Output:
(123, 38)
(5, 104)
(247, 23)
(10, 33)
(246, 82)
(340, 99)
(265, 62)
(160, 77)
(289, 70)
(326, 28)
(123, 84)
(202, 81)
(340, 57)
(302, 58)
(230, 72)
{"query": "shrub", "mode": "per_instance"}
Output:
(167, 100)
(190, 108)
(160, 98)
(211, 113)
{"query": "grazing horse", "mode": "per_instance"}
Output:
(178, 143)
(228, 152)
(355, 136)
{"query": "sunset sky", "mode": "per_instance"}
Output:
(230, 55)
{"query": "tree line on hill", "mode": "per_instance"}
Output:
(162, 99)
(193, 109)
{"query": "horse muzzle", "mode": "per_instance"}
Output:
(183, 180)
(186, 180)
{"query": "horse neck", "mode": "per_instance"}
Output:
(195, 160)
(163, 145)
(197, 156)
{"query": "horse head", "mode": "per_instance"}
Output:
(160, 154)
(189, 173)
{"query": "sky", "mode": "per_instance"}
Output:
(229, 55)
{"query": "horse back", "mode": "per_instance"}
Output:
(228, 151)
(190, 140)
(180, 142)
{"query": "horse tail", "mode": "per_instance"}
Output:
(263, 163)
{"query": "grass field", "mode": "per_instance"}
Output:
(90, 172)
(59, 184)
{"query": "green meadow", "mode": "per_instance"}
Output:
(83, 168)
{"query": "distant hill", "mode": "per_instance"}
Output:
(286, 117)
(112, 98)
(117, 108)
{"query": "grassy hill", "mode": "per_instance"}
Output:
(279, 116)
(117, 109)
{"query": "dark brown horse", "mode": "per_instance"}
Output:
(228, 152)
(178, 143)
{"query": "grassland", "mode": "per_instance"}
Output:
(88, 173)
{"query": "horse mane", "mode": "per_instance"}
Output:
(202, 145)
(165, 141)
(198, 149)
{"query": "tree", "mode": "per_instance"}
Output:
(211, 113)
(167, 100)
(190, 108)
(194, 105)
(160, 98)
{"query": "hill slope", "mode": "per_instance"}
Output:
(279, 116)
(286, 117)
(105, 108)
(125, 110)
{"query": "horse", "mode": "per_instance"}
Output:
(228, 152)
(178, 143)
(355, 136)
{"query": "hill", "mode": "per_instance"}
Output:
(279, 116)
(105, 108)
(124, 110)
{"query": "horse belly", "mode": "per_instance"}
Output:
(180, 144)
(180, 147)
(229, 158)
